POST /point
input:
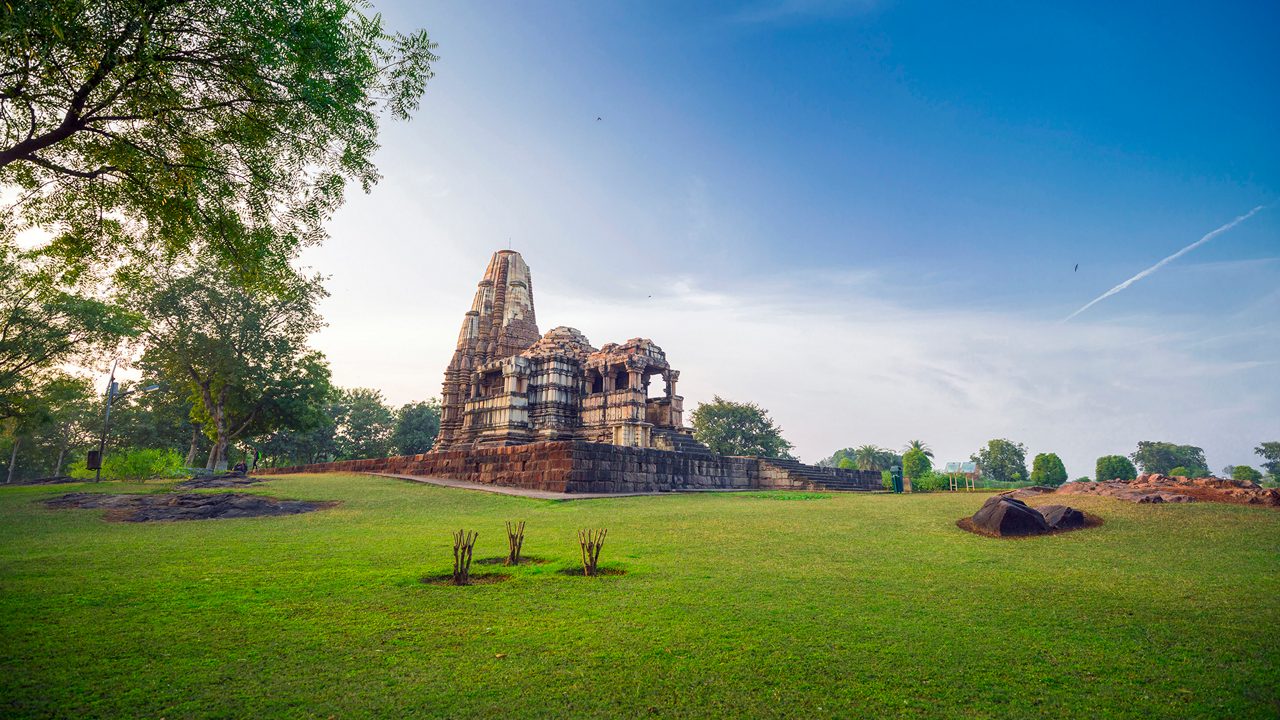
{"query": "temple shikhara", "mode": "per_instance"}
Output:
(508, 386)
(554, 413)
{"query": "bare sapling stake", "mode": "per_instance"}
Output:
(463, 544)
(515, 541)
(591, 542)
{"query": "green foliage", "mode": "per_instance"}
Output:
(928, 481)
(1047, 469)
(847, 464)
(1164, 457)
(1245, 473)
(1002, 461)
(165, 125)
(915, 463)
(836, 457)
(886, 480)
(917, 445)
(417, 425)
(240, 353)
(732, 428)
(1270, 453)
(1188, 472)
(364, 425)
(59, 417)
(48, 319)
(134, 464)
(1114, 467)
(874, 457)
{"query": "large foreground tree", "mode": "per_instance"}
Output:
(165, 124)
(241, 353)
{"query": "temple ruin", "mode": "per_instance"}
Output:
(552, 412)
(507, 386)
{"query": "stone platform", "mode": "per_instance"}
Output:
(596, 468)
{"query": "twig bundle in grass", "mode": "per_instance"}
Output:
(515, 541)
(463, 544)
(591, 542)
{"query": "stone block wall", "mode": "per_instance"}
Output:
(583, 467)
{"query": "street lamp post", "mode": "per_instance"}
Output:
(112, 387)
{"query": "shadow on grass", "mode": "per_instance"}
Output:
(446, 579)
(577, 572)
(502, 560)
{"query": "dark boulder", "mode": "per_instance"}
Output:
(1061, 517)
(1001, 515)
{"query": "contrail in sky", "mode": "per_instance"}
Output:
(1209, 236)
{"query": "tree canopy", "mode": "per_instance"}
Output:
(133, 126)
(1047, 469)
(417, 425)
(1002, 460)
(916, 445)
(242, 354)
(733, 428)
(45, 320)
(915, 463)
(1270, 453)
(1245, 473)
(1114, 467)
(1163, 457)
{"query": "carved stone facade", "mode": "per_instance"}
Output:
(553, 413)
(507, 386)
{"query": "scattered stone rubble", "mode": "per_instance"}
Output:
(1157, 488)
(189, 506)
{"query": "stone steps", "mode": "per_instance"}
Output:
(820, 478)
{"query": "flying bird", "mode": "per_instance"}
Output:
(599, 119)
(1077, 268)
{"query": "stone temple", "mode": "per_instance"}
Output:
(552, 412)
(508, 386)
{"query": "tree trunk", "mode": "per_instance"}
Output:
(195, 437)
(218, 454)
(13, 457)
(62, 454)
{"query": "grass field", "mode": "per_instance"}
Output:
(734, 605)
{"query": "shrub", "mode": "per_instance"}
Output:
(1188, 472)
(1047, 469)
(1114, 467)
(847, 464)
(886, 480)
(141, 464)
(1245, 473)
(915, 464)
(929, 482)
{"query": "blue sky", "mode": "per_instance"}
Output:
(863, 215)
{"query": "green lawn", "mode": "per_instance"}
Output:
(734, 605)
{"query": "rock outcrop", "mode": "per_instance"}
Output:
(187, 506)
(1004, 516)
(1062, 517)
(1157, 488)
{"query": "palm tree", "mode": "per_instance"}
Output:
(917, 445)
(872, 457)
